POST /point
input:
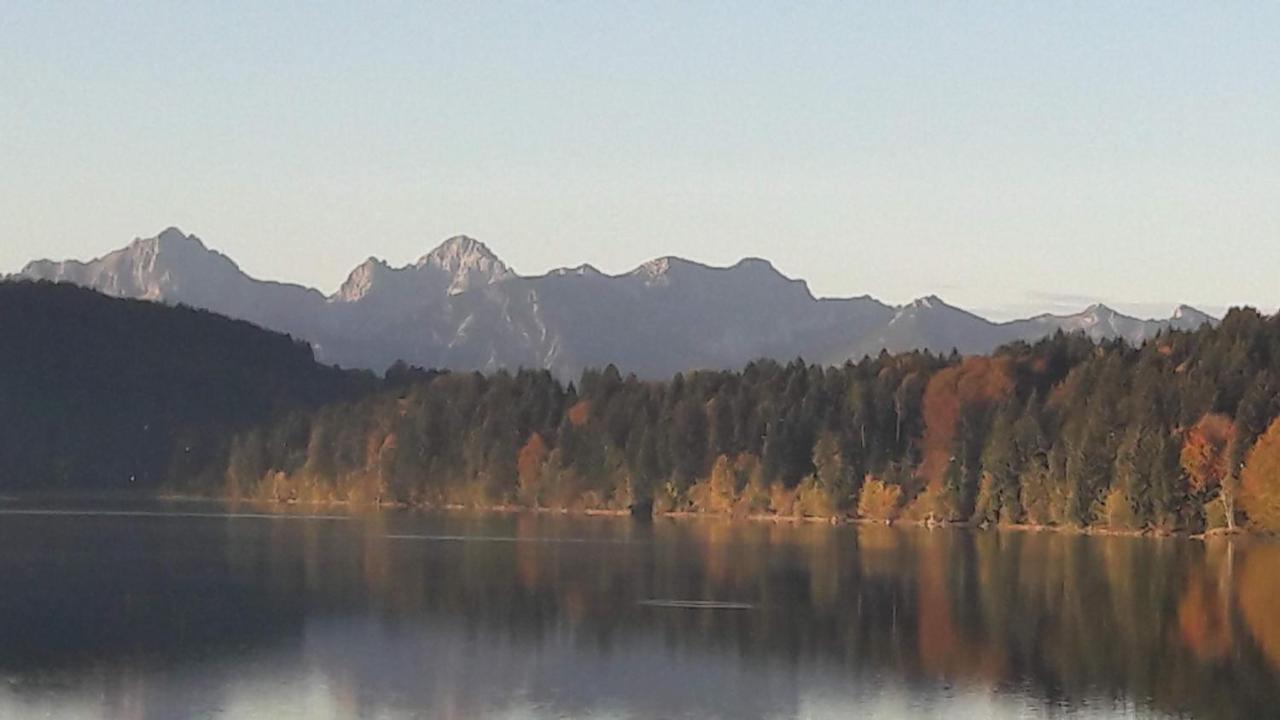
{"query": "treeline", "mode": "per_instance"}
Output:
(1170, 436)
(109, 395)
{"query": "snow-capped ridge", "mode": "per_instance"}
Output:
(927, 302)
(1186, 317)
(1188, 312)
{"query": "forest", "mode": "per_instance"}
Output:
(1180, 434)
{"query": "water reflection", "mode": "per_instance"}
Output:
(1260, 599)
(534, 616)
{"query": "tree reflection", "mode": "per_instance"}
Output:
(1259, 595)
(452, 615)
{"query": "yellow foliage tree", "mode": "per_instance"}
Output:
(1118, 511)
(782, 500)
(722, 486)
(753, 499)
(879, 500)
(814, 499)
(1260, 481)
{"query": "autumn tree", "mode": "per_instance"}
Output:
(529, 466)
(879, 500)
(1206, 459)
(1260, 481)
(718, 494)
(830, 487)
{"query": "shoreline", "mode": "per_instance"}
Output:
(676, 515)
(686, 515)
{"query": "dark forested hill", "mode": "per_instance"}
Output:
(105, 394)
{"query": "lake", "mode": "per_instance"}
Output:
(201, 611)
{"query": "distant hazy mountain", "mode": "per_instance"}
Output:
(177, 268)
(461, 307)
(928, 324)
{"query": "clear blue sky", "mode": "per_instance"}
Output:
(1011, 156)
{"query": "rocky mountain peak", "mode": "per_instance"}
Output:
(173, 234)
(362, 279)
(1186, 312)
(171, 266)
(1098, 314)
(1186, 317)
(468, 262)
(928, 302)
(170, 241)
(654, 268)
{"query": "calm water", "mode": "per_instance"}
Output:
(401, 615)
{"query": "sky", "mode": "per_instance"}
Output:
(1010, 157)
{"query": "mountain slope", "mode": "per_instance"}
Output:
(1097, 321)
(109, 394)
(931, 324)
(460, 307)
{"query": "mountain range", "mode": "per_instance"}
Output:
(460, 307)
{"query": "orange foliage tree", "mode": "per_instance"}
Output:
(580, 413)
(529, 463)
(1206, 459)
(976, 381)
(1260, 481)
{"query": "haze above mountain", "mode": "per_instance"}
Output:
(459, 306)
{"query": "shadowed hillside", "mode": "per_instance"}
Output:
(107, 394)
